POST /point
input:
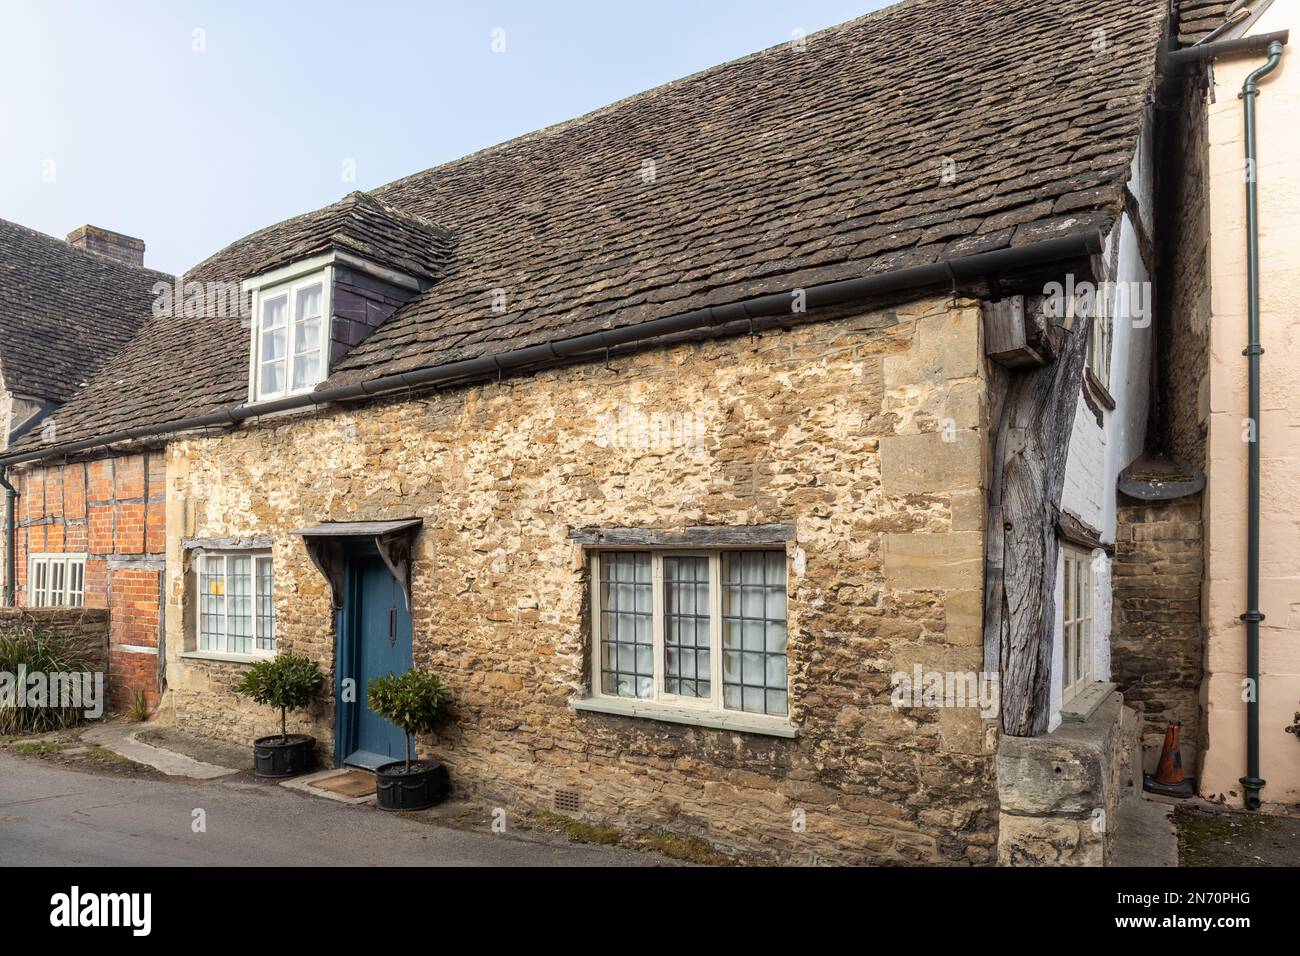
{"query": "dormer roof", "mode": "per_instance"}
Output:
(366, 227)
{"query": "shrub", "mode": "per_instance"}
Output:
(36, 651)
(289, 681)
(414, 701)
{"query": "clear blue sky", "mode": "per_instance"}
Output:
(120, 115)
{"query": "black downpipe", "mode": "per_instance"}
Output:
(1252, 783)
(11, 497)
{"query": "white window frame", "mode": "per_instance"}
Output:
(678, 707)
(1077, 632)
(1100, 335)
(40, 580)
(289, 282)
(255, 557)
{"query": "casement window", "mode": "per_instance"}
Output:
(1099, 338)
(291, 337)
(1076, 619)
(56, 580)
(698, 630)
(236, 605)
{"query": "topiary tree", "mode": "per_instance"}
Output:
(414, 701)
(288, 681)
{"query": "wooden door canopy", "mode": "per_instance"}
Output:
(326, 545)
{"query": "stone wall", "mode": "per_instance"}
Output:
(1059, 794)
(113, 510)
(81, 629)
(1157, 640)
(1183, 313)
(866, 433)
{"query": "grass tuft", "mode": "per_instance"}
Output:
(42, 747)
(139, 709)
(687, 848)
(585, 832)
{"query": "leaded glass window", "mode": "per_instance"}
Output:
(236, 613)
(626, 644)
(686, 626)
(700, 630)
(754, 633)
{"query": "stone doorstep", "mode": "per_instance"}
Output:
(304, 784)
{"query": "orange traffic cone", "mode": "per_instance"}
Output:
(1168, 779)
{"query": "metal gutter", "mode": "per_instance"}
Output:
(945, 273)
(1202, 52)
(1252, 783)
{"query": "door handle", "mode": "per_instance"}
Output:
(392, 626)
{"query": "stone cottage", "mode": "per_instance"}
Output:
(743, 455)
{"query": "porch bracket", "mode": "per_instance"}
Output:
(326, 545)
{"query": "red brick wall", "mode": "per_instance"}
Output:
(113, 509)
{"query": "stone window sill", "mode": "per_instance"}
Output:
(222, 657)
(649, 710)
(1079, 708)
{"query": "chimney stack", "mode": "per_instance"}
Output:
(113, 245)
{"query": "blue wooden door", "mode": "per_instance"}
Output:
(382, 636)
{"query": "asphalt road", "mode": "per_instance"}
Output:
(53, 816)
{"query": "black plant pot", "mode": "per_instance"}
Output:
(423, 787)
(278, 756)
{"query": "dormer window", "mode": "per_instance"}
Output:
(289, 345)
(329, 279)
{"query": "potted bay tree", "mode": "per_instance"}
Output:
(416, 702)
(289, 682)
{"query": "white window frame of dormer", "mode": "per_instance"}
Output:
(289, 281)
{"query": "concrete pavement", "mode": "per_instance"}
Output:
(119, 737)
(53, 816)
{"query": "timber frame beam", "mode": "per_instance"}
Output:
(1037, 408)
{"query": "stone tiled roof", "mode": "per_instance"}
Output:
(1198, 18)
(63, 312)
(802, 164)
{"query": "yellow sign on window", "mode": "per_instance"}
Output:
(216, 586)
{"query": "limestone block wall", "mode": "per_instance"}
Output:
(1157, 636)
(1059, 793)
(867, 433)
(1279, 428)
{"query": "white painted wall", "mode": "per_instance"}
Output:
(1098, 454)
